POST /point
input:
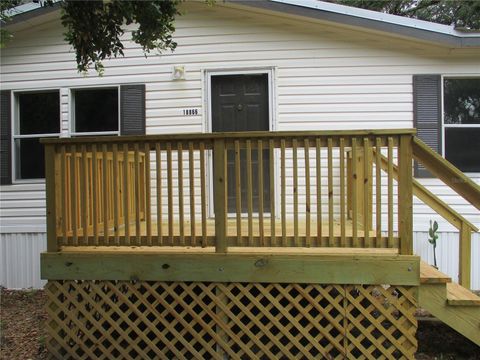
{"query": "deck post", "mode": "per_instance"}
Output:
(465, 243)
(363, 184)
(220, 194)
(405, 195)
(51, 195)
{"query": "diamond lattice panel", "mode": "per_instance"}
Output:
(177, 320)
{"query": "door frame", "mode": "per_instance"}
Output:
(207, 120)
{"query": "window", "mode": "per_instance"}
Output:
(95, 111)
(28, 115)
(461, 122)
(38, 116)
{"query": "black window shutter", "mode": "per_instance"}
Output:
(132, 109)
(5, 138)
(427, 114)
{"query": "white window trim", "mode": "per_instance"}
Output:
(443, 77)
(207, 123)
(71, 112)
(15, 121)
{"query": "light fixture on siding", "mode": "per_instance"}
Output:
(179, 72)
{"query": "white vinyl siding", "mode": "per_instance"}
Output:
(326, 77)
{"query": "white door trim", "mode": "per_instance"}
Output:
(207, 121)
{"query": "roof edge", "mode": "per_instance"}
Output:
(372, 20)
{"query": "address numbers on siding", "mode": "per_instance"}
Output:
(190, 112)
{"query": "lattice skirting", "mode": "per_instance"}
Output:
(178, 320)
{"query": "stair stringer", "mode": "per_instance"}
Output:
(464, 319)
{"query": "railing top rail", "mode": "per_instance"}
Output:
(228, 135)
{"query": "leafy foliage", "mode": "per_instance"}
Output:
(6, 5)
(461, 13)
(95, 28)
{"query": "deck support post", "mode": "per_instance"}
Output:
(51, 195)
(405, 195)
(465, 243)
(220, 194)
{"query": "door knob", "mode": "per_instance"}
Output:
(239, 107)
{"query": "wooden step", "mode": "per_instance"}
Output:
(430, 275)
(457, 295)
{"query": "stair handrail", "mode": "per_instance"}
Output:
(464, 226)
(432, 200)
(447, 172)
(462, 185)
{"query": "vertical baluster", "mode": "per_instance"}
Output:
(68, 193)
(354, 194)
(158, 160)
(95, 200)
(126, 191)
(260, 192)
(318, 159)
(180, 193)
(203, 194)
(104, 194)
(137, 193)
(220, 185)
(238, 192)
(73, 194)
(366, 194)
(307, 192)
(378, 191)
(390, 192)
(148, 207)
(116, 179)
(170, 193)
(63, 184)
(191, 162)
(249, 193)
(272, 192)
(295, 192)
(330, 192)
(283, 191)
(343, 216)
(84, 194)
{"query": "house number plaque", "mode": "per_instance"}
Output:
(190, 112)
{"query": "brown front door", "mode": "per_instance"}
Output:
(240, 103)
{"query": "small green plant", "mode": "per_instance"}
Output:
(42, 341)
(433, 237)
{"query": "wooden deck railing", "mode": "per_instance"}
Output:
(458, 181)
(266, 188)
(464, 186)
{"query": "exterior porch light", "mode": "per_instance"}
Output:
(179, 72)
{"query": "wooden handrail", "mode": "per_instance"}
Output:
(446, 172)
(463, 225)
(227, 135)
(429, 198)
